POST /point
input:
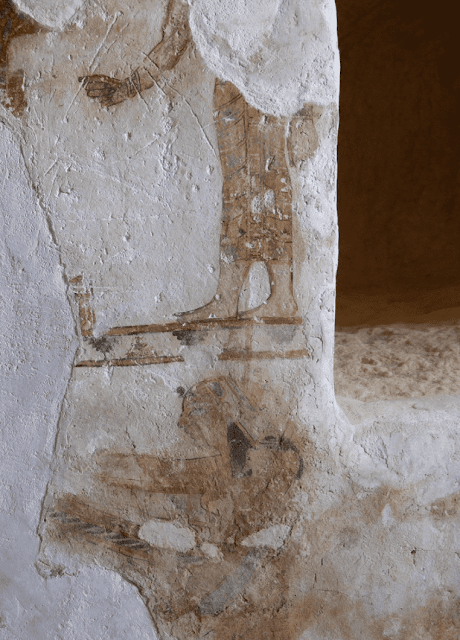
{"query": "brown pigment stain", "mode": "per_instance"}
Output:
(303, 138)
(131, 362)
(218, 417)
(404, 505)
(400, 501)
(139, 353)
(13, 24)
(280, 614)
(263, 355)
(445, 508)
(189, 338)
(103, 344)
(73, 518)
(257, 193)
(143, 357)
(330, 611)
(243, 593)
(86, 312)
(439, 619)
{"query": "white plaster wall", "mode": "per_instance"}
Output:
(37, 339)
(281, 53)
(125, 187)
(106, 176)
(86, 190)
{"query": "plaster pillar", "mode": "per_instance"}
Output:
(184, 156)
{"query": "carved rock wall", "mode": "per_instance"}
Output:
(178, 467)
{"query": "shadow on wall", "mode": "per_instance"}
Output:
(399, 188)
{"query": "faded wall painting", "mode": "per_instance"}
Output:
(179, 163)
(174, 180)
(179, 458)
(13, 24)
(196, 512)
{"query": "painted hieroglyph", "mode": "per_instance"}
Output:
(194, 524)
(256, 193)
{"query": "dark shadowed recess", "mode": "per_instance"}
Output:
(399, 162)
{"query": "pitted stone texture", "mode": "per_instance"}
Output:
(398, 361)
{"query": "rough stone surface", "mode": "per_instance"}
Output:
(398, 361)
(177, 465)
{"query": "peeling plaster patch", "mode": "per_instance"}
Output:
(271, 537)
(167, 535)
(51, 13)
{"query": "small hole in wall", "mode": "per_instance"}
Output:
(398, 281)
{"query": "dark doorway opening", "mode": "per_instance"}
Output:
(399, 162)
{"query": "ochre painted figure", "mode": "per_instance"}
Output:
(194, 531)
(257, 194)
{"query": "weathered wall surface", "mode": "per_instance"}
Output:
(178, 466)
(132, 199)
(37, 348)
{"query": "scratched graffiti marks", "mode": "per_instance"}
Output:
(208, 519)
(194, 531)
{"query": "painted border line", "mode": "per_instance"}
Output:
(130, 362)
(223, 323)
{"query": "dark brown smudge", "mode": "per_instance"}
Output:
(201, 325)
